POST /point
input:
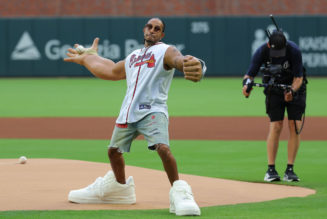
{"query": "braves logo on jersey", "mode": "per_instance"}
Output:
(147, 59)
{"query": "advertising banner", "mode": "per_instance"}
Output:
(37, 46)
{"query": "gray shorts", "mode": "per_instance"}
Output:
(154, 128)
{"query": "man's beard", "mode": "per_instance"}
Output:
(150, 42)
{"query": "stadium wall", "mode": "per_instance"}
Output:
(141, 8)
(37, 46)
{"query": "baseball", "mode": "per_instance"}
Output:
(22, 160)
(80, 49)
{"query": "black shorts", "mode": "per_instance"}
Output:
(275, 107)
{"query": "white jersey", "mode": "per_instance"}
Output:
(148, 84)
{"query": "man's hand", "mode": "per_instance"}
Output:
(246, 94)
(74, 56)
(192, 68)
(288, 96)
(247, 86)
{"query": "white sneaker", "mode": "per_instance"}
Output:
(181, 199)
(105, 190)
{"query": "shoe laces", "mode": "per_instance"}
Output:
(185, 193)
(96, 184)
(291, 174)
(272, 171)
(290, 171)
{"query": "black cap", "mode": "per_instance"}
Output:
(277, 43)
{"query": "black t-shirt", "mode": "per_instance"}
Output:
(292, 62)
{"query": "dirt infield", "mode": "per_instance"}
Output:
(35, 185)
(194, 128)
(44, 184)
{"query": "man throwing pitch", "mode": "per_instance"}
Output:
(148, 72)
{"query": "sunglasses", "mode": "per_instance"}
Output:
(150, 26)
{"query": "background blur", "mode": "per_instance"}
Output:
(35, 34)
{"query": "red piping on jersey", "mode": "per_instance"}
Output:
(122, 126)
(137, 79)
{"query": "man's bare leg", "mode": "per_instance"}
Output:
(275, 129)
(117, 163)
(293, 142)
(169, 162)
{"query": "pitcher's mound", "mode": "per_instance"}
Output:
(44, 184)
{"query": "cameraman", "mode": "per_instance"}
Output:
(286, 54)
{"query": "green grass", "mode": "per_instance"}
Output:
(92, 97)
(238, 160)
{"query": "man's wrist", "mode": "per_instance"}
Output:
(203, 66)
(293, 89)
(246, 81)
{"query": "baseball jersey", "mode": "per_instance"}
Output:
(148, 84)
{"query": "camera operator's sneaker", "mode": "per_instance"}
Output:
(105, 190)
(290, 176)
(271, 175)
(181, 199)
